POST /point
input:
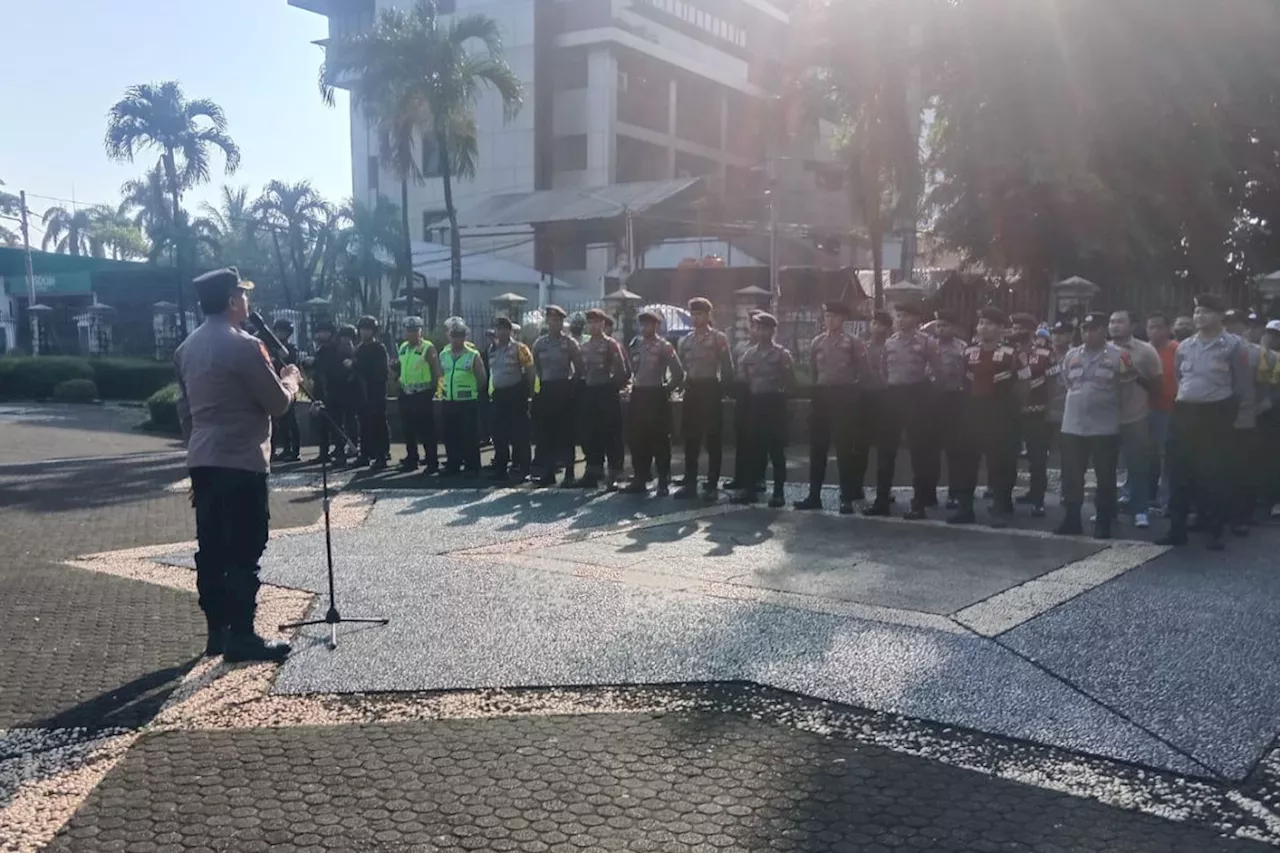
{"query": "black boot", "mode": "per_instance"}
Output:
(1177, 534)
(1071, 524)
(1102, 528)
(217, 640)
(244, 646)
(778, 501)
(879, 509)
(814, 501)
(964, 512)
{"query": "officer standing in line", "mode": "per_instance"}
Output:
(463, 377)
(1060, 335)
(371, 369)
(871, 402)
(947, 404)
(286, 435)
(996, 377)
(1098, 376)
(511, 381)
(606, 373)
(770, 371)
(741, 393)
(1033, 423)
(1246, 450)
(653, 358)
(419, 372)
(328, 378)
(708, 362)
(908, 357)
(838, 363)
(1213, 379)
(228, 394)
(1135, 426)
(557, 362)
(1183, 327)
(348, 394)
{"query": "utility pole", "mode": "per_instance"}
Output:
(774, 295)
(31, 278)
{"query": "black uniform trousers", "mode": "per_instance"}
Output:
(1078, 452)
(1036, 432)
(649, 432)
(346, 417)
(1246, 454)
(906, 409)
(1198, 437)
(509, 424)
(286, 435)
(702, 421)
(1268, 460)
(741, 434)
(601, 428)
(418, 421)
(554, 424)
(767, 436)
(946, 409)
(232, 516)
(833, 414)
(461, 421)
(988, 430)
(375, 439)
(866, 434)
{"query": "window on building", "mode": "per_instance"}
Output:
(569, 153)
(434, 225)
(373, 173)
(430, 158)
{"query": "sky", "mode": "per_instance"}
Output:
(67, 61)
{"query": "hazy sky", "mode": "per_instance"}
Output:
(67, 61)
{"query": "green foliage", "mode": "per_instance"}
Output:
(35, 377)
(130, 378)
(75, 391)
(162, 409)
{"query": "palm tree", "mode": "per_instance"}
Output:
(371, 230)
(299, 215)
(112, 231)
(412, 73)
(67, 231)
(185, 132)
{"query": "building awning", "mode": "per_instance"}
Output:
(579, 204)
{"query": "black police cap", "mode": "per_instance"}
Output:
(882, 318)
(1023, 319)
(1095, 321)
(837, 308)
(368, 321)
(346, 330)
(913, 309)
(947, 317)
(216, 285)
(324, 326)
(992, 314)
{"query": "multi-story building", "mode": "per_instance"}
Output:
(616, 91)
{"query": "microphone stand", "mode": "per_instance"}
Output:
(332, 617)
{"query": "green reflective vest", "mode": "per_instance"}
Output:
(415, 366)
(459, 375)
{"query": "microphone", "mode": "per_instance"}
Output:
(264, 331)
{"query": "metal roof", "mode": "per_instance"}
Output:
(571, 204)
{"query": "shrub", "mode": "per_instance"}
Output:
(75, 391)
(162, 409)
(35, 377)
(130, 378)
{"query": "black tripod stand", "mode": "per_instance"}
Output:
(331, 617)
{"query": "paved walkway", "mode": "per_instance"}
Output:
(602, 672)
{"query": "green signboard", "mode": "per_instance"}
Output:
(49, 284)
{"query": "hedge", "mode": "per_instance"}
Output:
(75, 391)
(162, 409)
(35, 377)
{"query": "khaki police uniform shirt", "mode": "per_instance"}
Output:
(908, 357)
(1146, 361)
(706, 355)
(767, 369)
(952, 365)
(838, 359)
(1096, 382)
(651, 360)
(875, 366)
(1211, 371)
(604, 363)
(228, 393)
(555, 357)
(509, 364)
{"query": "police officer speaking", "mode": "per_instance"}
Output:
(228, 394)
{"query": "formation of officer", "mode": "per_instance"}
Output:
(606, 372)
(370, 368)
(1033, 428)
(229, 391)
(510, 389)
(948, 400)
(462, 375)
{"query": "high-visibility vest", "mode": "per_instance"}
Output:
(459, 382)
(415, 366)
